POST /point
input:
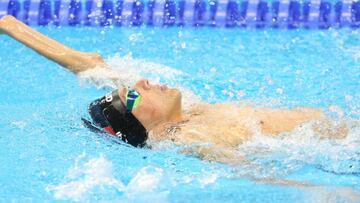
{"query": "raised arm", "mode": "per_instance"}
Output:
(67, 57)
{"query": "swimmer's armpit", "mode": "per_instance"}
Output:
(67, 57)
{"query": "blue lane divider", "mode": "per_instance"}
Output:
(158, 12)
(346, 12)
(64, 12)
(312, 14)
(251, 13)
(4, 5)
(13, 8)
(221, 13)
(283, 15)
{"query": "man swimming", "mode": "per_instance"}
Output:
(148, 113)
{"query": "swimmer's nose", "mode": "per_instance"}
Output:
(144, 83)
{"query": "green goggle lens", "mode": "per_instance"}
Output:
(132, 99)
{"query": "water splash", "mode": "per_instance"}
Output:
(332, 194)
(131, 70)
(149, 184)
(289, 152)
(84, 179)
(95, 179)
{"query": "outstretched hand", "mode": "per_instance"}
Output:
(1, 25)
(102, 76)
(5, 20)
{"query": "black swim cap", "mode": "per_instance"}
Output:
(110, 114)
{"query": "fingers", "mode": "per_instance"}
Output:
(5, 21)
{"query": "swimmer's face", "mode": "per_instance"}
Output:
(159, 104)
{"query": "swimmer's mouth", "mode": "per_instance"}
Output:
(160, 87)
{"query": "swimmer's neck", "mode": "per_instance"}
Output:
(163, 130)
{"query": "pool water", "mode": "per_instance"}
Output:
(46, 153)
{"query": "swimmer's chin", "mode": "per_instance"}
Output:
(175, 92)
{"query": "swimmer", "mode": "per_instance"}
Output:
(148, 113)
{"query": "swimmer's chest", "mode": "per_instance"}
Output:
(219, 125)
(224, 124)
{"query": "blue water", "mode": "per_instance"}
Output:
(46, 154)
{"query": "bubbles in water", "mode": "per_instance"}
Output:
(183, 45)
(339, 113)
(348, 98)
(241, 93)
(280, 90)
(19, 124)
(135, 36)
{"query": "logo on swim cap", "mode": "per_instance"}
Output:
(108, 97)
(119, 135)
